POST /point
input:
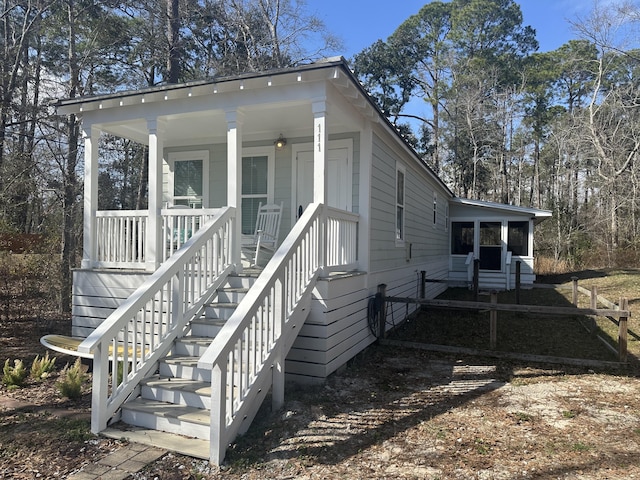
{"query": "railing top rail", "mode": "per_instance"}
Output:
(342, 214)
(225, 340)
(165, 212)
(137, 300)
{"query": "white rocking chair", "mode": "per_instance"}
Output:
(267, 230)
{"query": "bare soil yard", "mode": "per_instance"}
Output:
(393, 412)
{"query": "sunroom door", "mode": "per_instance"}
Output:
(491, 246)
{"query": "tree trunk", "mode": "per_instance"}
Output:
(173, 37)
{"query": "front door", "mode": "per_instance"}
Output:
(339, 177)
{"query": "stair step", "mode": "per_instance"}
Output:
(168, 417)
(220, 310)
(207, 326)
(192, 345)
(193, 447)
(183, 366)
(193, 393)
(231, 294)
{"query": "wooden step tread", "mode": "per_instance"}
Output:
(180, 384)
(183, 413)
(193, 447)
(196, 340)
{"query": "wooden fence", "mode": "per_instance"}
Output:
(619, 314)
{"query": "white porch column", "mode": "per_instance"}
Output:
(320, 140)
(154, 224)
(91, 137)
(234, 180)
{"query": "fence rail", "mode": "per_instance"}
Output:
(617, 313)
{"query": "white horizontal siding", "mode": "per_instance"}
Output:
(96, 294)
(335, 331)
(423, 242)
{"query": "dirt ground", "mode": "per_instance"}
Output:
(391, 413)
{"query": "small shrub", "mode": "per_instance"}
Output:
(14, 376)
(71, 380)
(42, 367)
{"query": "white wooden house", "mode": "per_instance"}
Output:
(200, 339)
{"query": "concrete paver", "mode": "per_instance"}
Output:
(120, 464)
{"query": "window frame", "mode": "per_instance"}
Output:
(453, 232)
(526, 235)
(266, 151)
(435, 209)
(400, 206)
(188, 156)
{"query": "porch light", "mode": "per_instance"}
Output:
(280, 142)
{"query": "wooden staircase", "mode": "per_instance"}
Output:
(176, 400)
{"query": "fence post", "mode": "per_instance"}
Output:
(575, 290)
(594, 297)
(518, 272)
(622, 332)
(382, 310)
(493, 321)
(476, 278)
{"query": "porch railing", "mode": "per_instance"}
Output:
(121, 234)
(247, 355)
(342, 240)
(141, 331)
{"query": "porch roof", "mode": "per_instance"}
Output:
(193, 100)
(538, 215)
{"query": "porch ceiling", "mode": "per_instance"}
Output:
(260, 122)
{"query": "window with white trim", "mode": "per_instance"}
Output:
(257, 184)
(435, 209)
(400, 172)
(446, 217)
(187, 181)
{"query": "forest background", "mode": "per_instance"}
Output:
(557, 130)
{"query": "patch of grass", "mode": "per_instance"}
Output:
(74, 430)
(521, 417)
(580, 447)
(481, 446)
(569, 414)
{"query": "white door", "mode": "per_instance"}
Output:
(339, 179)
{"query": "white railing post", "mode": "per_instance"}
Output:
(100, 387)
(218, 426)
(278, 377)
(322, 241)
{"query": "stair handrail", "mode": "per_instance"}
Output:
(131, 341)
(263, 320)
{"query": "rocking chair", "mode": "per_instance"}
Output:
(267, 230)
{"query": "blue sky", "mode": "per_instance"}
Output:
(359, 23)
